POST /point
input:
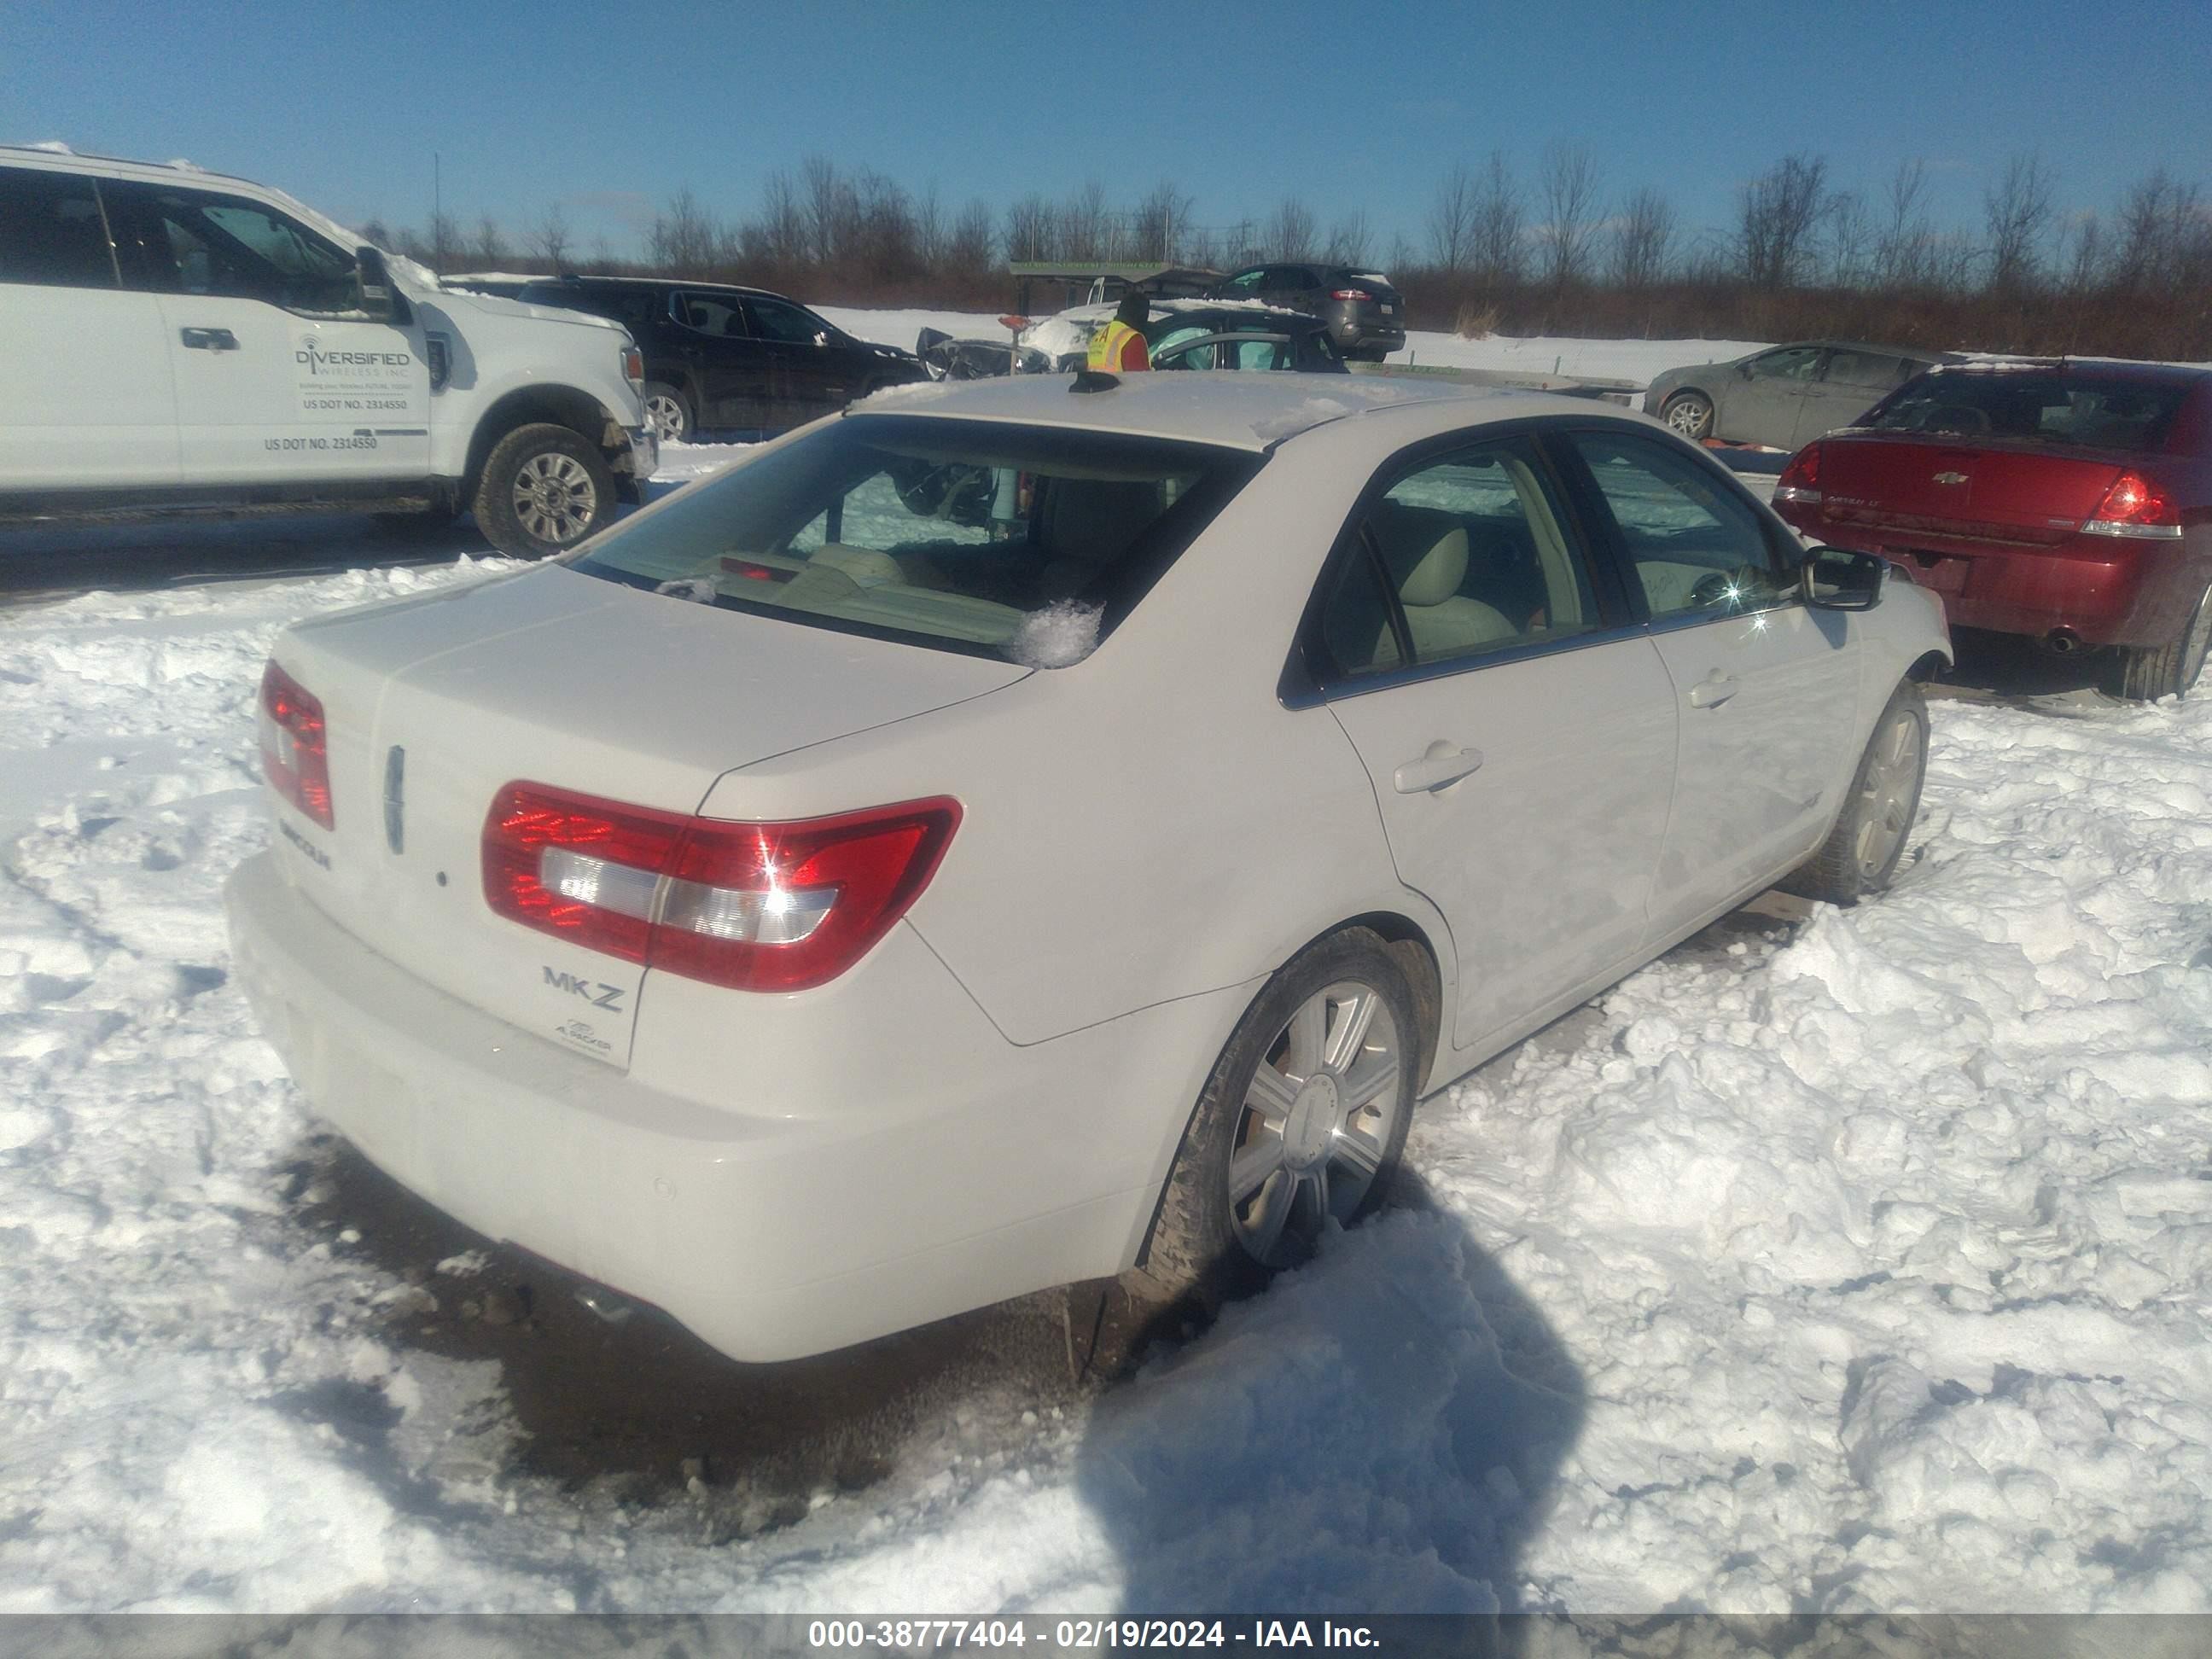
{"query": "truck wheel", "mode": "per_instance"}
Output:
(667, 412)
(544, 489)
(1690, 413)
(1861, 852)
(1301, 1123)
(2146, 674)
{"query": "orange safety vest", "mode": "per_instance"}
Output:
(1107, 344)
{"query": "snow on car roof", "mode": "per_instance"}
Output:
(1241, 411)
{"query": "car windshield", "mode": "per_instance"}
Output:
(992, 539)
(2099, 412)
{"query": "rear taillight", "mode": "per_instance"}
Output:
(1350, 293)
(759, 907)
(2136, 507)
(295, 751)
(1801, 480)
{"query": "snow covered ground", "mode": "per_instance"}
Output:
(1839, 1261)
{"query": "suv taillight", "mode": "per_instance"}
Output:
(1350, 293)
(1801, 480)
(295, 751)
(2135, 506)
(757, 907)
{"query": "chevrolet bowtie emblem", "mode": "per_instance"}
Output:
(1950, 478)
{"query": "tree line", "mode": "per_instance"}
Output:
(1557, 250)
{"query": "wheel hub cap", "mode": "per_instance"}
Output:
(1311, 1125)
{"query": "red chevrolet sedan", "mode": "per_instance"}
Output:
(2067, 500)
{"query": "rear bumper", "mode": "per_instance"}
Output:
(2105, 589)
(777, 1224)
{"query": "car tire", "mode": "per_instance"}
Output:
(2146, 674)
(1271, 1154)
(667, 412)
(1691, 414)
(544, 489)
(1861, 852)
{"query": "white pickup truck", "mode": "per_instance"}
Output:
(175, 341)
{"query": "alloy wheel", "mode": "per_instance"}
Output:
(555, 497)
(1316, 1117)
(1892, 789)
(665, 416)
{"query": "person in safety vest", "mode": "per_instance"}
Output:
(1120, 346)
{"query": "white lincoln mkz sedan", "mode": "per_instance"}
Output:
(1016, 833)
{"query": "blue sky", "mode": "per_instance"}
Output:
(611, 109)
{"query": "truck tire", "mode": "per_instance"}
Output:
(544, 489)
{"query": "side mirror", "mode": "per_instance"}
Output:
(1836, 579)
(1743, 371)
(378, 298)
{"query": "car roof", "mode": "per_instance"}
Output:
(2126, 368)
(1251, 412)
(580, 279)
(1919, 354)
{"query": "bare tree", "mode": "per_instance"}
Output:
(1642, 238)
(1776, 216)
(1085, 229)
(968, 247)
(780, 235)
(2017, 215)
(1161, 221)
(2161, 228)
(1901, 246)
(685, 240)
(1495, 246)
(377, 232)
(1348, 239)
(829, 208)
(445, 239)
(2086, 256)
(1032, 230)
(1847, 233)
(602, 261)
(1290, 234)
(1451, 221)
(490, 248)
(549, 236)
(1568, 184)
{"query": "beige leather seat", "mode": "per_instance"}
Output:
(1428, 568)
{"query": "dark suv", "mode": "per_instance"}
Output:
(1365, 316)
(718, 356)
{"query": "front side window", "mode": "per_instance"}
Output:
(1796, 363)
(992, 539)
(1693, 545)
(51, 232)
(777, 320)
(189, 241)
(1462, 557)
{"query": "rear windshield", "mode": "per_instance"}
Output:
(2097, 412)
(995, 540)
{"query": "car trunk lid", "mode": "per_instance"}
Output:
(2034, 494)
(587, 686)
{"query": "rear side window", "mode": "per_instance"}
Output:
(1463, 557)
(2097, 412)
(991, 539)
(1862, 368)
(716, 316)
(51, 232)
(632, 307)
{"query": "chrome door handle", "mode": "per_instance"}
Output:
(1713, 690)
(208, 339)
(1442, 766)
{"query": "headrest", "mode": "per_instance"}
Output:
(1434, 576)
(1094, 519)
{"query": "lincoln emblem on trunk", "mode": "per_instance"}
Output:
(1950, 478)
